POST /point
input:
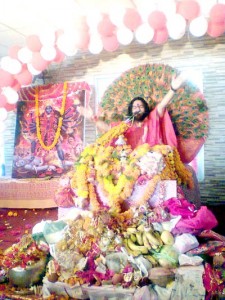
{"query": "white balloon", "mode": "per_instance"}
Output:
(24, 55)
(32, 70)
(95, 44)
(48, 52)
(11, 65)
(2, 127)
(93, 17)
(145, 7)
(176, 26)
(3, 114)
(124, 36)
(11, 95)
(67, 44)
(168, 7)
(5, 61)
(206, 6)
(15, 67)
(116, 16)
(47, 37)
(144, 33)
(198, 26)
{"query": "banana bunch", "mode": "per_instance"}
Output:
(141, 240)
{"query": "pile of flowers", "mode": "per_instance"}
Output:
(105, 175)
(23, 254)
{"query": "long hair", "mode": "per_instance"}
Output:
(145, 104)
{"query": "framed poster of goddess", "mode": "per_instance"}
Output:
(49, 129)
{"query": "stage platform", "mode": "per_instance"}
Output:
(28, 193)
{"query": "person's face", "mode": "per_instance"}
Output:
(48, 110)
(71, 140)
(138, 110)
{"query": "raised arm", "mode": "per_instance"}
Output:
(175, 85)
(88, 113)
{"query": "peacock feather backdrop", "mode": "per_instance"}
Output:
(188, 109)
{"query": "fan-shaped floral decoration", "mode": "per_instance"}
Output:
(188, 109)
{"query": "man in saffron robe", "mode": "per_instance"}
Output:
(148, 126)
(153, 127)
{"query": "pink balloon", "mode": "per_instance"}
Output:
(13, 51)
(38, 62)
(82, 40)
(24, 77)
(157, 20)
(189, 9)
(6, 79)
(82, 36)
(110, 43)
(132, 19)
(215, 29)
(58, 33)
(3, 100)
(60, 56)
(106, 27)
(160, 36)
(217, 13)
(10, 107)
(16, 85)
(33, 43)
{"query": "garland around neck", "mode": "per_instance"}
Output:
(60, 121)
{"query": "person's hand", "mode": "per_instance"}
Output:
(178, 81)
(102, 127)
(86, 112)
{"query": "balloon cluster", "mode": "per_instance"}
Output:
(105, 27)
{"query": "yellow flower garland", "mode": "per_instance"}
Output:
(116, 178)
(112, 133)
(60, 121)
(94, 204)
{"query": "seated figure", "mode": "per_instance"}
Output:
(146, 127)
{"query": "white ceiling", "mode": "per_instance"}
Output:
(22, 18)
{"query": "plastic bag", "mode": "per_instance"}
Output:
(185, 242)
(53, 231)
(204, 219)
(180, 207)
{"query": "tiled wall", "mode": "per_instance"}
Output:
(204, 55)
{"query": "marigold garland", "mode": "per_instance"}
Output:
(149, 190)
(116, 177)
(60, 121)
(94, 204)
(112, 133)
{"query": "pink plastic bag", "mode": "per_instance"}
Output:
(180, 207)
(204, 219)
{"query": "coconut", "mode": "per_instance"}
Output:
(167, 237)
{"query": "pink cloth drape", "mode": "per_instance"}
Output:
(155, 130)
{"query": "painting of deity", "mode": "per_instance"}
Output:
(49, 129)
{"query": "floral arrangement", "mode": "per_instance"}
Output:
(105, 175)
(99, 249)
(85, 241)
(23, 254)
